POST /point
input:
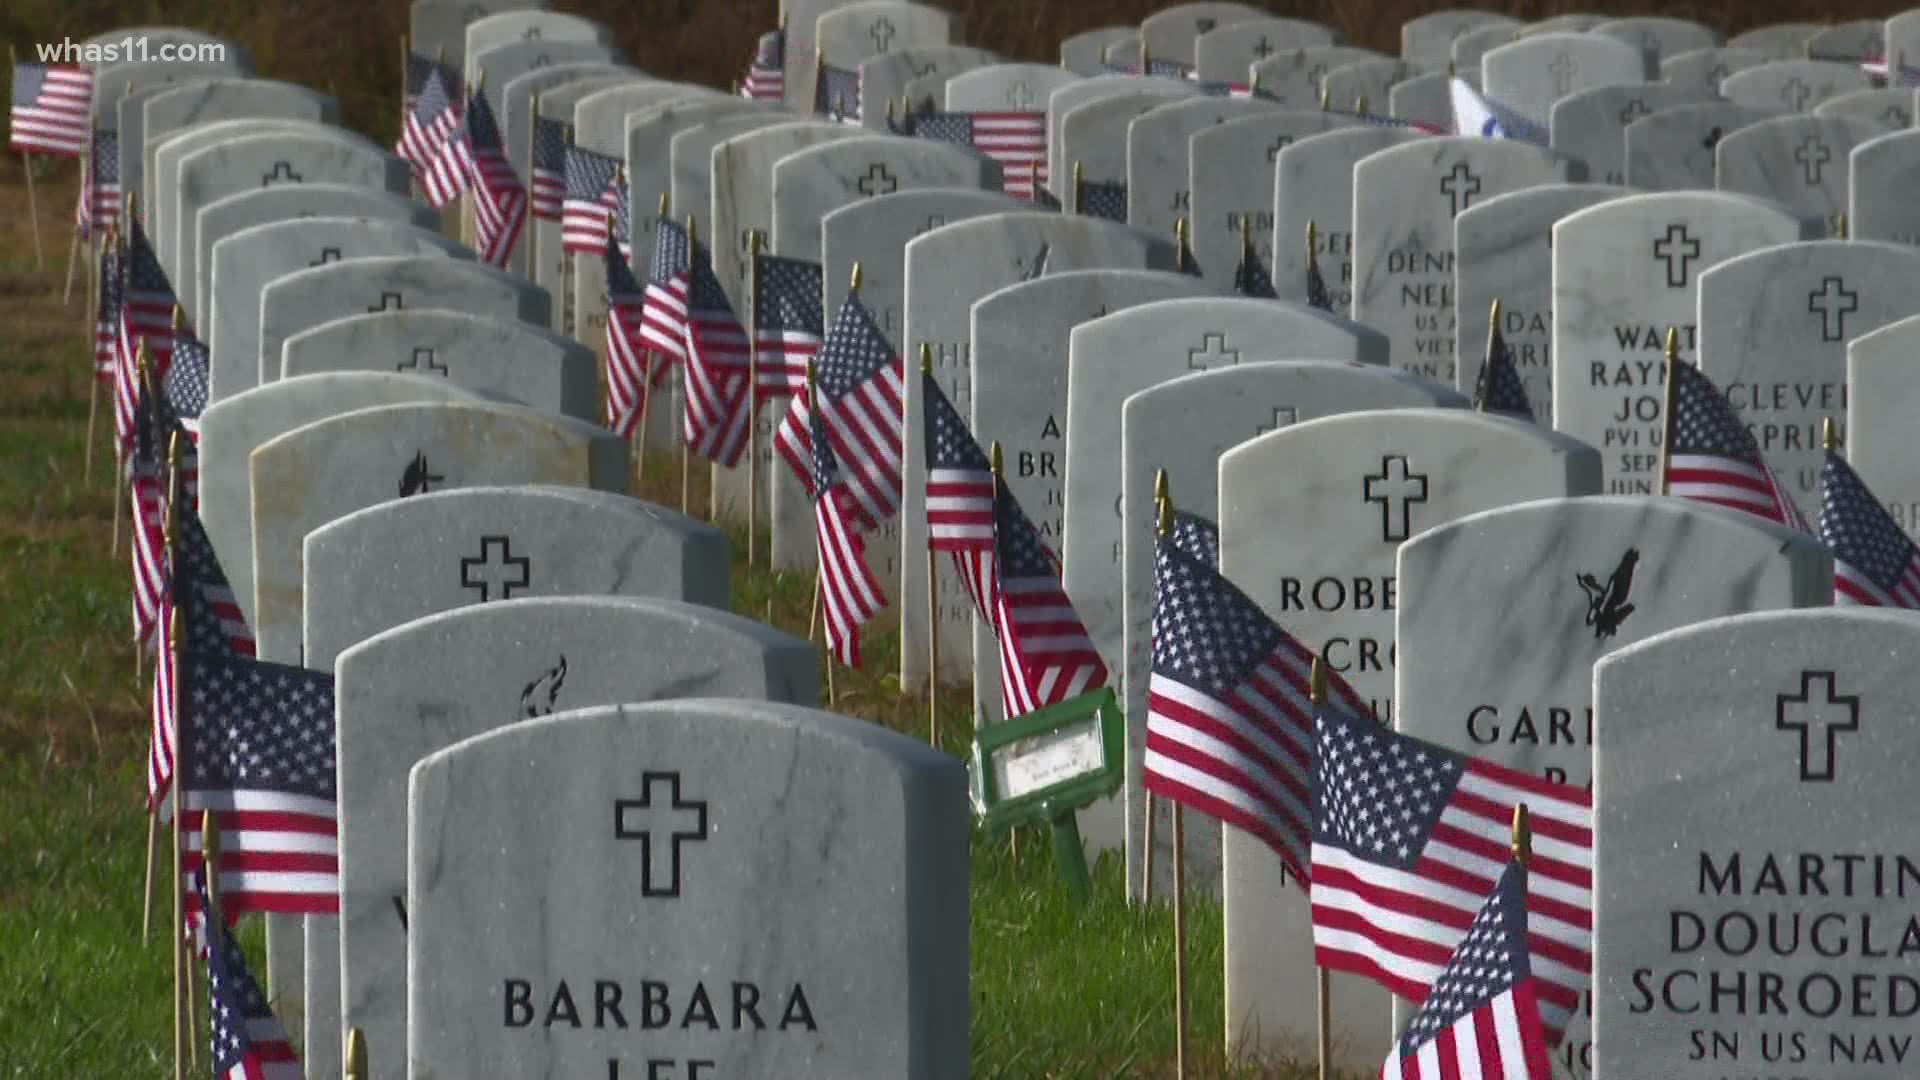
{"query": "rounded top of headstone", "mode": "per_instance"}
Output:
(1664, 203)
(1276, 447)
(1895, 342)
(1045, 290)
(1586, 511)
(1762, 260)
(1572, 196)
(450, 501)
(904, 204)
(1738, 640)
(1375, 380)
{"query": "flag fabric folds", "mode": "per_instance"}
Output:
(863, 396)
(1017, 140)
(52, 110)
(628, 379)
(100, 185)
(430, 123)
(663, 317)
(149, 296)
(1498, 388)
(1409, 837)
(718, 411)
(1483, 1020)
(106, 321)
(787, 322)
(499, 200)
(548, 174)
(1874, 562)
(850, 594)
(766, 75)
(1713, 458)
(960, 496)
(1319, 296)
(185, 383)
(837, 95)
(1476, 114)
(248, 1041)
(211, 625)
(1197, 537)
(1250, 278)
(592, 198)
(1046, 654)
(1229, 720)
(1102, 199)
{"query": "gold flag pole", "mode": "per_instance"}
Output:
(933, 601)
(1317, 694)
(1829, 435)
(1183, 254)
(813, 613)
(1673, 388)
(175, 640)
(1079, 175)
(1522, 835)
(754, 242)
(1160, 497)
(686, 450)
(356, 1056)
(1164, 522)
(1485, 380)
(995, 462)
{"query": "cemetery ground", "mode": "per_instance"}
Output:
(1056, 992)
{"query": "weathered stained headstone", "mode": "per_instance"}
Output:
(800, 18)
(513, 360)
(1292, 78)
(175, 107)
(851, 840)
(1794, 85)
(1569, 581)
(1082, 53)
(306, 298)
(112, 83)
(1313, 184)
(1405, 200)
(1782, 41)
(1093, 137)
(848, 35)
(1891, 107)
(1591, 124)
(1368, 82)
(1504, 252)
(1774, 327)
(1881, 397)
(244, 264)
(1472, 46)
(1623, 272)
(1703, 69)
(947, 270)
(1531, 74)
(1800, 160)
(1228, 52)
(1231, 174)
(304, 155)
(1880, 186)
(1021, 335)
(1170, 33)
(1183, 425)
(1070, 96)
(1158, 155)
(1674, 149)
(1311, 517)
(439, 27)
(283, 202)
(1428, 39)
(884, 79)
(1772, 918)
(548, 34)
(163, 174)
(429, 683)
(1006, 88)
(1660, 35)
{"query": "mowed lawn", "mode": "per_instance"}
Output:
(1056, 992)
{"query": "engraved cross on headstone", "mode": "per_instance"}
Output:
(1212, 352)
(389, 301)
(282, 174)
(532, 34)
(420, 357)
(678, 822)
(1279, 144)
(496, 571)
(878, 181)
(934, 221)
(1812, 156)
(1795, 93)
(1283, 416)
(1460, 186)
(1896, 117)
(1714, 135)
(1677, 247)
(1833, 302)
(1819, 720)
(327, 255)
(882, 34)
(1563, 69)
(1635, 110)
(1020, 96)
(1262, 48)
(1718, 74)
(1396, 489)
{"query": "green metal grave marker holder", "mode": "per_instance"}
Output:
(1056, 761)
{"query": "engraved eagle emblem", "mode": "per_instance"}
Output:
(1607, 605)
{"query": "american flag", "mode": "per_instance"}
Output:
(186, 382)
(663, 319)
(100, 185)
(106, 320)
(150, 301)
(1229, 718)
(850, 595)
(1102, 199)
(628, 382)
(1017, 140)
(592, 196)
(1318, 295)
(52, 109)
(211, 622)
(959, 496)
(154, 425)
(718, 409)
(1712, 457)
(1408, 837)
(500, 202)
(1483, 1020)
(788, 322)
(862, 393)
(1046, 655)
(1874, 563)
(431, 122)
(837, 96)
(1196, 536)
(1169, 68)
(1499, 389)
(260, 740)
(248, 1041)
(766, 78)
(550, 170)
(1250, 278)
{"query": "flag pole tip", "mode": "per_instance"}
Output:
(1317, 682)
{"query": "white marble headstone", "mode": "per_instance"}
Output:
(1313, 184)
(1531, 74)
(1230, 172)
(1674, 149)
(1800, 160)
